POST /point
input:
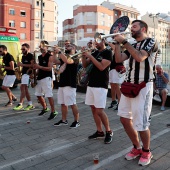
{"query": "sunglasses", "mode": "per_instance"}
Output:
(23, 49)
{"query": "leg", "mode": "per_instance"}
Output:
(103, 117)
(42, 102)
(64, 110)
(145, 138)
(75, 112)
(51, 101)
(97, 119)
(164, 96)
(23, 92)
(132, 134)
(9, 93)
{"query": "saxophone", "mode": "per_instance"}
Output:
(32, 72)
(18, 70)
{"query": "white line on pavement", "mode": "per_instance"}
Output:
(122, 153)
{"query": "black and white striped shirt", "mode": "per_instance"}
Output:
(142, 71)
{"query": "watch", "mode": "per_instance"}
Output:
(59, 52)
(124, 42)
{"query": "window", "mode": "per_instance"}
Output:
(89, 30)
(37, 3)
(22, 36)
(102, 23)
(23, 24)
(102, 14)
(11, 11)
(37, 13)
(37, 35)
(23, 13)
(37, 24)
(11, 23)
(43, 4)
(43, 15)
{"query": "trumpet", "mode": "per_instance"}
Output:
(98, 37)
(78, 53)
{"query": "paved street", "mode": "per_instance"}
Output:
(39, 145)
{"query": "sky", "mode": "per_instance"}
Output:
(65, 7)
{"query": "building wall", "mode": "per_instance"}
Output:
(17, 7)
(87, 20)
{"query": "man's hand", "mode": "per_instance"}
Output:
(20, 64)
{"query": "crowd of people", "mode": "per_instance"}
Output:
(134, 112)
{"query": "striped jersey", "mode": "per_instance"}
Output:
(142, 71)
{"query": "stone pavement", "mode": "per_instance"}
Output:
(39, 145)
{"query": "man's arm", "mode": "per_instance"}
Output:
(11, 66)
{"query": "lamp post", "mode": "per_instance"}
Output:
(41, 22)
(154, 16)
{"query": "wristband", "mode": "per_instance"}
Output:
(124, 42)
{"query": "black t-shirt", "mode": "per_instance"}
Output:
(6, 60)
(68, 76)
(99, 78)
(114, 64)
(43, 61)
(26, 59)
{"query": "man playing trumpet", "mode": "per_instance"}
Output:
(27, 59)
(67, 85)
(44, 79)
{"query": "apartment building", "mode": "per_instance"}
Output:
(89, 19)
(25, 16)
(50, 21)
(17, 15)
(158, 26)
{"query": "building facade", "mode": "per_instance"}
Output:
(25, 17)
(89, 19)
(16, 15)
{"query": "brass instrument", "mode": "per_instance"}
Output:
(18, 70)
(32, 72)
(2, 73)
(98, 37)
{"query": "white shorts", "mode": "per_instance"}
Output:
(115, 77)
(96, 96)
(138, 108)
(66, 95)
(25, 79)
(43, 87)
(8, 80)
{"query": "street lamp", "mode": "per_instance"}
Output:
(41, 22)
(154, 16)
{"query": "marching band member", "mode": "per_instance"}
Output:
(115, 80)
(97, 88)
(10, 77)
(44, 79)
(134, 112)
(67, 86)
(27, 60)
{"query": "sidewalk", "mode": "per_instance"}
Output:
(39, 145)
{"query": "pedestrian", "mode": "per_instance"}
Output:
(26, 63)
(9, 79)
(97, 88)
(44, 79)
(160, 84)
(67, 85)
(134, 112)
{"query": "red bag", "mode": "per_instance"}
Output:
(131, 90)
(120, 69)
